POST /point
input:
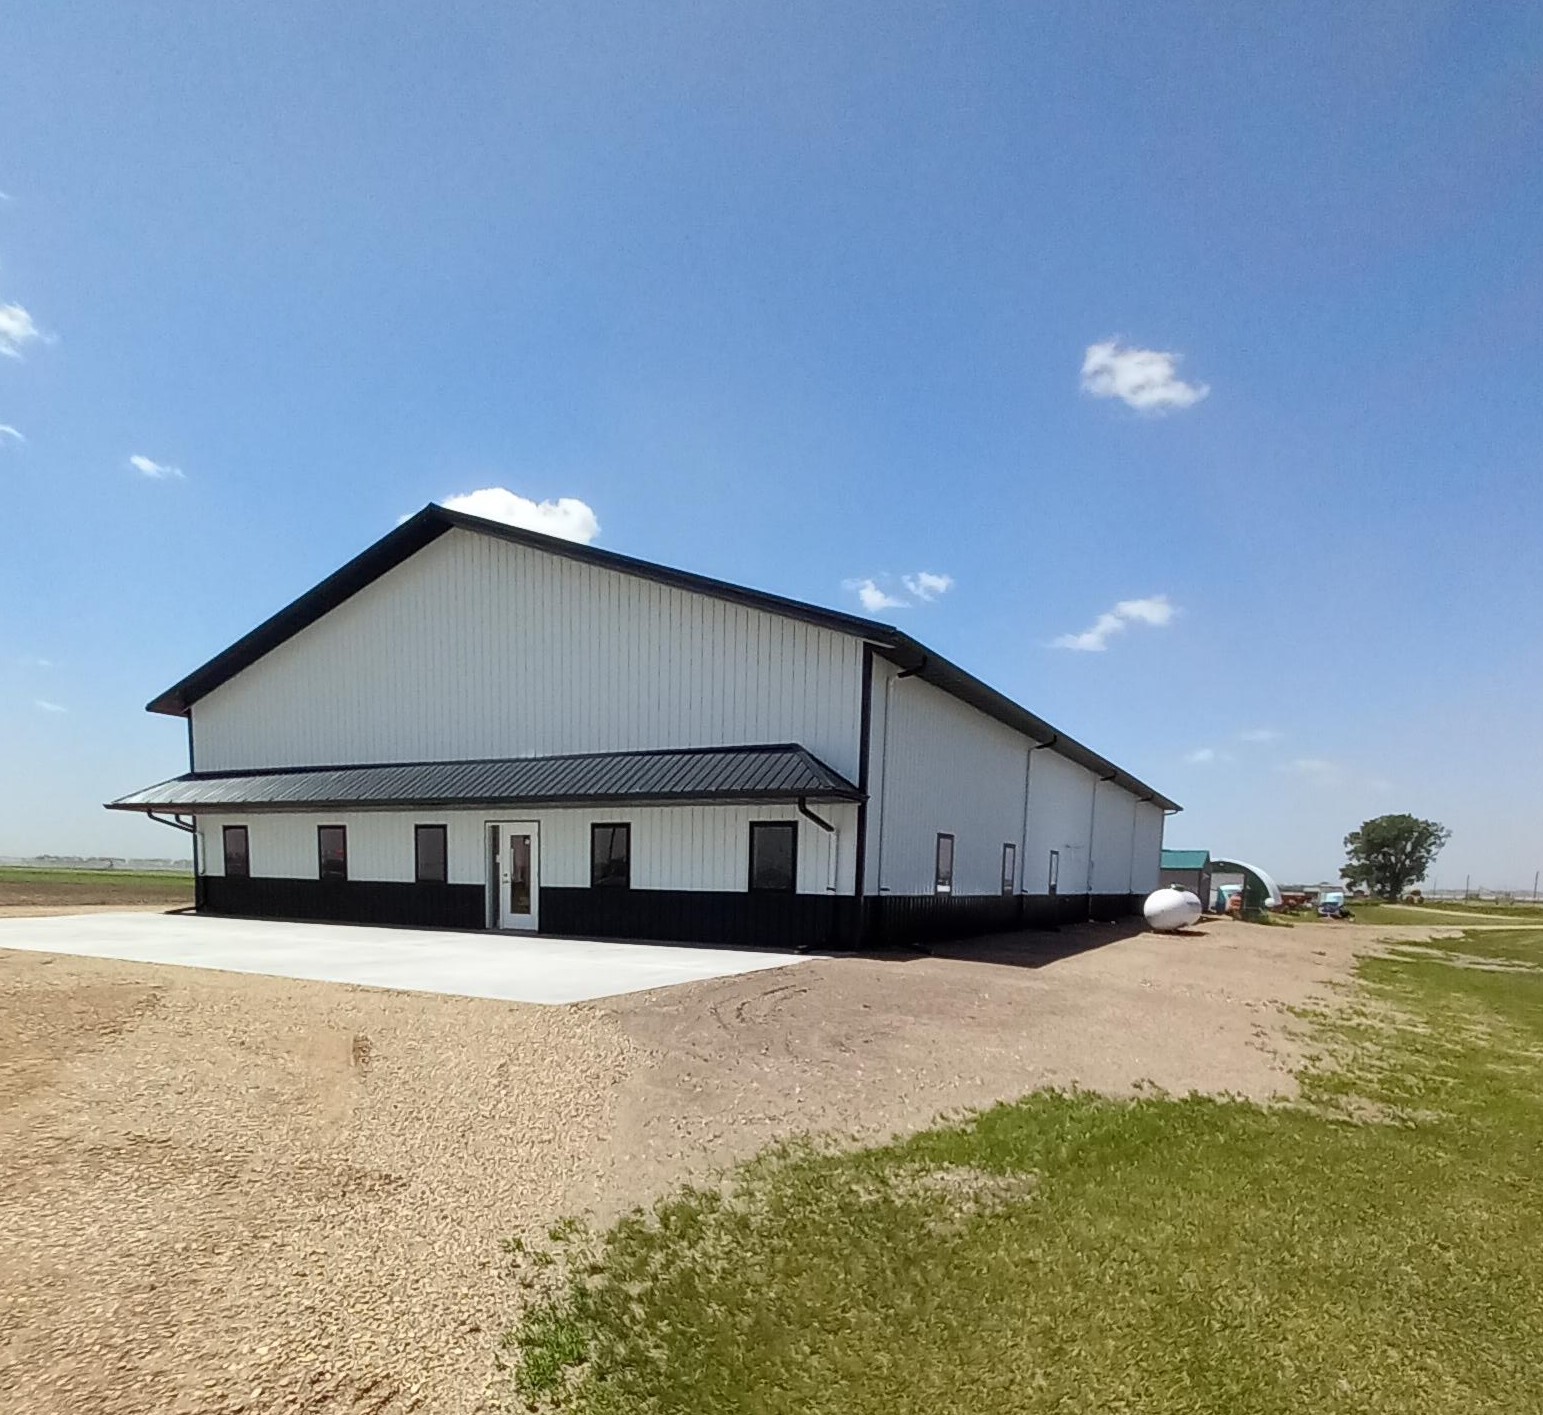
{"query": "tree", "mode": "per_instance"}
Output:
(1390, 853)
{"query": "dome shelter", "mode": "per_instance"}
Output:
(1260, 892)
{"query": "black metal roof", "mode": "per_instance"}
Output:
(784, 772)
(434, 521)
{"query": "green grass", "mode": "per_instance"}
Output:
(1372, 1249)
(16, 874)
(44, 888)
(1375, 911)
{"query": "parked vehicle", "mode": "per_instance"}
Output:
(1331, 905)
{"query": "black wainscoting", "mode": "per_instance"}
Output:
(739, 919)
(897, 920)
(736, 919)
(354, 901)
(1108, 908)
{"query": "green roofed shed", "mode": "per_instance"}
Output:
(1188, 869)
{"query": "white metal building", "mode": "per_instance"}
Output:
(475, 726)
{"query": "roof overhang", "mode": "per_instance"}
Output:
(713, 776)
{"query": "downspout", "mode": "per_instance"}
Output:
(190, 825)
(864, 745)
(1130, 874)
(1023, 834)
(889, 683)
(176, 823)
(1092, 817)
(830, 869)
(803, 810)
(198, 863)
(1028, 771)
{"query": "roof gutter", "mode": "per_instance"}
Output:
(803, 810)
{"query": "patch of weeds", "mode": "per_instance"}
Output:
(1369, 1250)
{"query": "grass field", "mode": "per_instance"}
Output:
(1372, 1249)
(1374, 911)
(62, 889)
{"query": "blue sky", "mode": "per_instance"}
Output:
(802, 296)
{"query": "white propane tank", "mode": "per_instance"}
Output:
(1171, 908)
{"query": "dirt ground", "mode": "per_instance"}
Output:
(225, 1193)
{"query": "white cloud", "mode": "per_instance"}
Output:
(872, 598)
(6, 430)
(1144, 379)
(1260, 734)
(1200, 756)
(567, 518)
(32, 661)
(44, 705)
(16, 331)
(156, 471)
(925, 585)
(1316, 767)
(1156, 610)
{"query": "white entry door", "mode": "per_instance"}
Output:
(517, 874)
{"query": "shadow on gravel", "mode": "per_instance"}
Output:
(1034, 948)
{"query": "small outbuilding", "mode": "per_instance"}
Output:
(1189, 869)
(475, 726)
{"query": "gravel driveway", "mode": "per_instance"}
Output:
(225, 1193)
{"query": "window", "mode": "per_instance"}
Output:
(431, 854)
(1055, 869)
(332, 851)
(238, 859)
(774, 856)
(1009, 867)
(943, 882)
(610, 856)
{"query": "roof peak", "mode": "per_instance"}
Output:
(428, 525)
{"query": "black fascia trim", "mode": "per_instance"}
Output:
(433, 521)
(479, 803)
(364, 569)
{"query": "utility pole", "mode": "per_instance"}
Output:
(1466, 878)
(1535, 875)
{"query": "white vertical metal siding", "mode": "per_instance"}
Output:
(475, 647)
(943, 767)
(1147, 860)
(673, 847)
(1114, 824)
(1060, 818)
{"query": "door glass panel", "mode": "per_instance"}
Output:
(519, 874)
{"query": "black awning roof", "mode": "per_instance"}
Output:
(784, 772)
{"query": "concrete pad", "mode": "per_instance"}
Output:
(506, 966)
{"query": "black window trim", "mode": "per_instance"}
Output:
(1009, 872)
(444, 853)
(245, 872)
(594, 828)
(939, 884)
(792, 886)
(321, 871)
